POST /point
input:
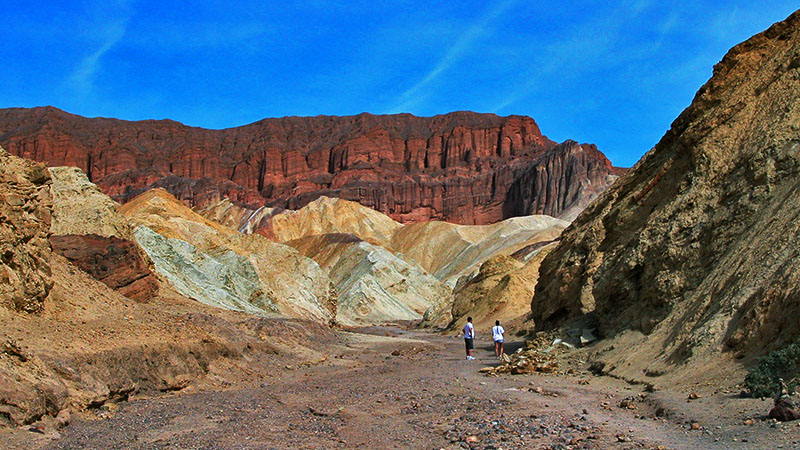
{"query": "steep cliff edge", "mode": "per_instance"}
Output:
(460, 167)
(694, 251)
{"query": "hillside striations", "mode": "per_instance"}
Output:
(460, 167)
(221, 267)
(694, 251)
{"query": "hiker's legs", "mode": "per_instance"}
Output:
(497, 348)
(501, 349)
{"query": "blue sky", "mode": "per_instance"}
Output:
(616, 75)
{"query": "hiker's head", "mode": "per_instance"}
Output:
(497, 322)
(469, 319)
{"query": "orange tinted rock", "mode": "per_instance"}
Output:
(461, 167)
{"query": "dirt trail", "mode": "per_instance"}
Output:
(416, 391)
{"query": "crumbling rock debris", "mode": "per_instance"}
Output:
(25, 214)
(526, 360)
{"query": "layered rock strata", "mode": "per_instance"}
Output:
(373, 284)
(219, 266)
(460, 167)
(693, 251)
(113, 261)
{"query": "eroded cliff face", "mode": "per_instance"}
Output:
(695, 247)
(461, 167)
(25, 215)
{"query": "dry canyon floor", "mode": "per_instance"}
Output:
(387, 387)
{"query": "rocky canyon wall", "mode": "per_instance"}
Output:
(695, 247)
(461, 167)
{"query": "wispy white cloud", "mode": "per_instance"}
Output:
(459, 49)
(109, 32)
(577, 50)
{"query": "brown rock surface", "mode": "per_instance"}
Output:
(501, 290)
(694, 251)
(90, 232)
(91, 346)
(461, 167)
(25, 214)
(113, 261)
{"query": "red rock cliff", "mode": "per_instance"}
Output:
(461, 167)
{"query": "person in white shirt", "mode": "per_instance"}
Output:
(497, 336)
(469, 337)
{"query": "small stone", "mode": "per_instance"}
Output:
(63, 417)
(109, 407)
(695, 426)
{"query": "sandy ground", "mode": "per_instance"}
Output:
(391, 388)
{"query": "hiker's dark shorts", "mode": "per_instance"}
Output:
(470, 343)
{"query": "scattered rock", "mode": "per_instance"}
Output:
(63, 417)
(784, 410)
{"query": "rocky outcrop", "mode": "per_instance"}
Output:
(461, 167)
(693, 251)
(219, 266)
(499, 291)
(79, 207)
(90, 232)
(25, 214)
(561, 182)
(374, 285)
(113, 261)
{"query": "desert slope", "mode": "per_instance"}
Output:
(692, 254)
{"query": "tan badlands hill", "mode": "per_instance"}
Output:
(332, 215)
(221, 267)
(450, 251)
(501, 290)
(384, 270)
(691, 259)
(373, 284)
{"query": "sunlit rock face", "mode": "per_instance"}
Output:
(461, 167)
(450, 251)
(25, 215)
(374, 285)
(221, 267)
(694, 252)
